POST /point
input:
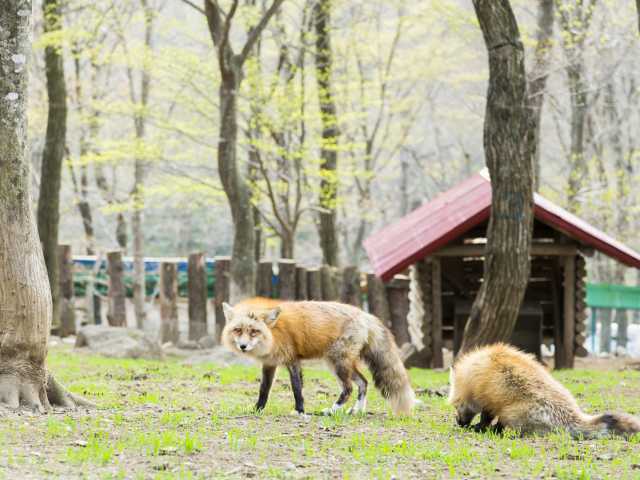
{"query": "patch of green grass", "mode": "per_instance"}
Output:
(168, 420)
(98, 450)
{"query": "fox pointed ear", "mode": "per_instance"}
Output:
(228, 311)
(271, 316)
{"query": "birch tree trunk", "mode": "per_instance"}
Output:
(509, 147)
(54, 147)
(25, 297)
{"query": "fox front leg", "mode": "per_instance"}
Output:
(295, 374)
(268, 373)
(485, 421)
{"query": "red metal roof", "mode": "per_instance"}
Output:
(454, 212)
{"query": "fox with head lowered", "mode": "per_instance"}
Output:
(280, 333)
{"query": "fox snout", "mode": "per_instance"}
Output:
(465, 416)
(242, 346)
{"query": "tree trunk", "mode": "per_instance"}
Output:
(230, 64)
(243, 265)
(509, 146)
(54, 147)
(287, 244)
(121, 233)
(140, 167)
(538, 83)
(330, 133)
(25, 297)
(82, 190)
(575, 25)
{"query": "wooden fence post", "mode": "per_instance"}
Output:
(377, 299)
(302, 292)
(287, 279)
(314, 284)
(351, 292)
(169, 303)
(197, 292)
(117, 311)
(398, 297)
(264, 286)
(67, 308)
(222, 289)
(328, 282)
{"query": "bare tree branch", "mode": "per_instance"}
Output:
(256, 31)
(194, 6)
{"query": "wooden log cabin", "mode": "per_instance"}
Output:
(441, 244)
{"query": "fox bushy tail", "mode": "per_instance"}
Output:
(389, 375)
(617, 423)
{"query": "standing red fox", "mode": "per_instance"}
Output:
(284, 333)
(501, 381)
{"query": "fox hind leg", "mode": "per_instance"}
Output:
(361, 382)
(344, 373)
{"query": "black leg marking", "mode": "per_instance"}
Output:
(485, 422)
(344, 375)
(295, 374)
(268, 373)
(361, 382)
(498, 428)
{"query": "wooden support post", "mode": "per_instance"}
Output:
(302, 292)
(314, 284)
(169, 303)
(558, 322)
(264, 287)
(117, 310)
(377, 299)
(67, 307)
(581, 308)
(351, 293)
(568, 333)
(437, 360)
(398, 297)
(197, 294)
(327, 279)
(222, 289)
(287, 277)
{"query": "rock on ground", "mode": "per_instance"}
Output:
(219, 356)
(118, 342)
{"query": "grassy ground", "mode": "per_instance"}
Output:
(165, 420)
